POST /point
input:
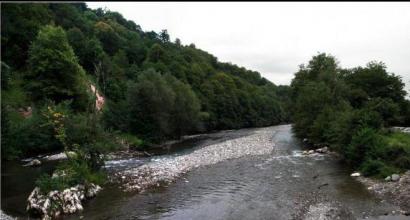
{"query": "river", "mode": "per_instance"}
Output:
(281, 184)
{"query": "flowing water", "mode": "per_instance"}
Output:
(283, 184)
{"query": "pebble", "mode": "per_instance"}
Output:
(395, 177)
(167, 169)
(356, 174)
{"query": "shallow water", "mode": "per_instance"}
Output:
(280, 185)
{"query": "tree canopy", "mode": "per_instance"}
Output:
(153, 87)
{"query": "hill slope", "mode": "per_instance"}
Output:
(154, 88)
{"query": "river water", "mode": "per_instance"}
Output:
(282, 184)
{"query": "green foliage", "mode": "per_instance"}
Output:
(20, 24)
(397, 150)
(25, 137)
(131, 141)
(377, 168)
(47, 184)
(363, 144)
(80, 133)
(161, 106)
(54, 70)
(70, 173)
(108, 37)
(348, 110)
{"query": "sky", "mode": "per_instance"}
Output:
(274, 38)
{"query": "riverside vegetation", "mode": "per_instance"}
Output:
(350, 110)
(155, 89)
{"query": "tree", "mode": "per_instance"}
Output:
(186, 107)
(108, 37)
(375, 81)
(156, 53)
(88, 50)
(54, 70)
(162, 107)
(178, 42)
(164, 36)
(20, 24)
(150, 100)
(222, 102)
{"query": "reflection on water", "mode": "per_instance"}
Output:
(17, 182)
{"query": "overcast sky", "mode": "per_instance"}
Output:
(274, 38)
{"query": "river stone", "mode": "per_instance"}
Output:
(395, 177)
(388, 178)
(328, 211)
(162, 171)
(356, 174)
(4, 216)
(60, 202)
(33, 163)
(322, 150)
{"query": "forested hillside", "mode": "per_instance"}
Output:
(154, 89)
(351, 110)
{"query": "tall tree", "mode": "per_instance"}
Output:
(54, 70)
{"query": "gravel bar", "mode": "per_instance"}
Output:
(167, 169)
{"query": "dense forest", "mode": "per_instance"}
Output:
(350, 111)
(154, 89)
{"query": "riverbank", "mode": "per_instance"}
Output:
(397, 192)
(4, 216)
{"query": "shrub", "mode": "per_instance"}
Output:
(365, 143)
(397, 150)
(46, 183)
(31, 136)
(377, 168)
(70, 173)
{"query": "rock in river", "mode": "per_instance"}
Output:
(33, 163)
(395, 177)
(356, 174)
(56, 202)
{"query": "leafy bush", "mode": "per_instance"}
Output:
(46, 183)
(364, 144)
(69, 174)
(377, 168)
(29, 136)
(397, 150)
(348, 108)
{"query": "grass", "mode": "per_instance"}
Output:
(391, 156)
(399, 139)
